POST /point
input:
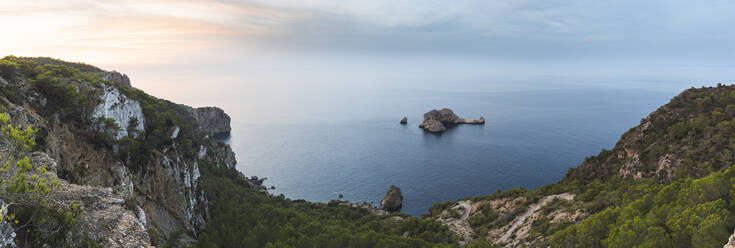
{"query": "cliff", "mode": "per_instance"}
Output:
(109, 140)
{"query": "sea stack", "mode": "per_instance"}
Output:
(393, 199)
(404, 120)
(437, 121)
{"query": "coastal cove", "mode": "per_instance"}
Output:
(530, 139)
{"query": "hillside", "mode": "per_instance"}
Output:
(666, 183)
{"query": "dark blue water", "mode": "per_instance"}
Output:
(352, 144)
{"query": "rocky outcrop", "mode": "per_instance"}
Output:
(393, 199)
(107, 215)
(404, 120)
(437, 121)
(211, 120)
(120, 78)
(516, 217)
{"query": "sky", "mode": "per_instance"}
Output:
(156, 31)
(262, 43)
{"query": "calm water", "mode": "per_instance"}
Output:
(355, 146)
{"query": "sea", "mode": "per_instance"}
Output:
(531, 138)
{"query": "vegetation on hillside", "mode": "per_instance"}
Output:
(242, 217)
(25, 187)
(692, 136)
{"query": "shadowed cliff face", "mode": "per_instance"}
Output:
(110, 135)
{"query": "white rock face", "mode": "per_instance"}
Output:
(202, 151)
(141, 217)
(118, 107)
(127, 180)
(175, 133)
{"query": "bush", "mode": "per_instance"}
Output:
(8, 69)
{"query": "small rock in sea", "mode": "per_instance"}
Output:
(393, 199)
(340, 196)
(404, 120)
(273, 187)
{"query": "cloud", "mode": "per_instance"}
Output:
(544, 29)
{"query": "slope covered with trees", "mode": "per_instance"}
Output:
(667, 183)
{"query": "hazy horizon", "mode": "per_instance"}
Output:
(267, 52)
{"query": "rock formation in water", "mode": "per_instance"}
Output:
(393, 199)
(404, 120)
(437, 121)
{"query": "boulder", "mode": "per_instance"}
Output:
(437, 121)
(393, 199)
(404, 120)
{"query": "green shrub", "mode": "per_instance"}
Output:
(8, 69)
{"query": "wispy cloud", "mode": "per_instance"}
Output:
(157, 31)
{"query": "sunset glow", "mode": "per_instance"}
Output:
(126, 32)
